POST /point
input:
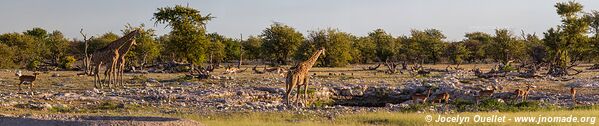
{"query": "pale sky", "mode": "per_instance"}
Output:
(250, 17)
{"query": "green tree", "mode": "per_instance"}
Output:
(58, 47)
(7, 54)
(232, 47)
(187, 40)
(505, 47)
(336, 43)
(456, 52)
(280, 42)
(384, 44)
(102, 41)
(25, 47)
(147, 48)
(477, 43)
(568, 41)
(429, 43)
(252, 47)
(364, 47)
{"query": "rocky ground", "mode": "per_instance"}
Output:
(330, 93)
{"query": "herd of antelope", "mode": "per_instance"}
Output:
(520, 94)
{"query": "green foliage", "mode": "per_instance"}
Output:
(280, 42)
(223, 48)
(252, 47)
(385, 45)
(336, 43)
(7, 54)
(61, 109)
(67, 62)
(429, 43)
(363, 48)
(37, 32)
(476, 43)
(456, 52)
(147, 48)
(102, 41)
(216, 52)
(568, 42)
(33, 65)
(110, 105)
(504, 47)
(23, 45)
(57, 47)
(187, 40)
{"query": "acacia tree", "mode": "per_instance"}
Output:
(280, 42)
(187, 40)
(23, 45)
(252, 48)
(7, 54)
(147, 48)
(429, 43)
(568, 40)
(504, 47)
(593, 18)
(456, 52)
(336, 43)
(476, 43)
(384, 44)
(364, 47)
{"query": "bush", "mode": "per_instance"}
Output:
(33, 65)
(67, 62)
(109, 105)
(7, 55)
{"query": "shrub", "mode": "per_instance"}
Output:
(7, 55)
(33, 65)
(67, 62)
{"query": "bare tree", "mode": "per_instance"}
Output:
(86, 57)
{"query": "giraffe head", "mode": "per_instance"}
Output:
(322, 50)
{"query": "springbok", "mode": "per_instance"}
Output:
(26, 79)
(419, 96)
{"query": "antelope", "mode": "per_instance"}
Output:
(419, 96)
(573, 93)
(441, 97)
(26, 78)
(523, 94)
(485, 93)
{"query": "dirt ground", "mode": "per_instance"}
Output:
(65, 93)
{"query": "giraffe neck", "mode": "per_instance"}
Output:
(125, 48)
(121, 41)
(310, 62)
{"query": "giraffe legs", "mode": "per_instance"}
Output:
(97, 81)
(306, 81)
(289, 89)
(121, 72)
(297, 94)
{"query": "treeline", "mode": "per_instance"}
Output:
(575, 40)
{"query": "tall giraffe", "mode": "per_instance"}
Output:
(121, 60)
(104, 56)
(299, 76)
(109, 56)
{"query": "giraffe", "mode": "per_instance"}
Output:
(300, 77)
(109, 56)
(120, 63)
(122, 55)
(105, 56)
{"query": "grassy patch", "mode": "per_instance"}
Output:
(110, 105)
(61, 109)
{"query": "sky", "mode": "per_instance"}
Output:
(235, 18)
